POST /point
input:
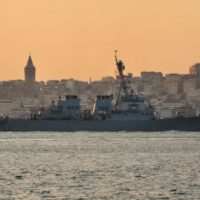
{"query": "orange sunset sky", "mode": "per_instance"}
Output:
(77, 38)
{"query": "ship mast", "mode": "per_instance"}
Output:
(123, 86)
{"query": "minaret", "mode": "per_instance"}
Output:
(29, 71)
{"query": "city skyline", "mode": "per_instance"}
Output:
(77, 39)
(30, 75)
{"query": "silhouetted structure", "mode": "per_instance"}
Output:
(29, 72)
(120, 68)
(195, 69)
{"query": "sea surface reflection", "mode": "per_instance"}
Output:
(86, 165)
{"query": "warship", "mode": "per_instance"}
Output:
(125, 111)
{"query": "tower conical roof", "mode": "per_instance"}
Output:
(30, 63)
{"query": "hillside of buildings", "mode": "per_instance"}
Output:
(168, 94)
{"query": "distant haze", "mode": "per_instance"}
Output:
(77, 38)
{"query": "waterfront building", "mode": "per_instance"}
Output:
(149, 76)
(151, 83)
(189, 83)
(173, 84)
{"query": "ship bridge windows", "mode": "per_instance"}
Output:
(132, 99)
(103, 97)
(71, 97)
(73, 107)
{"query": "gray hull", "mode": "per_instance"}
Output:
(183, 124)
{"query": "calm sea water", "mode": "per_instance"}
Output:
(100, 166)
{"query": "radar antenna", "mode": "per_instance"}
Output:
(123, 86)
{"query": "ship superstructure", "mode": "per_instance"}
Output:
(128, 101)
(126, 105)
(64, 109)
(103, 107)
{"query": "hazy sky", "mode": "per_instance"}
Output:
(77, 38)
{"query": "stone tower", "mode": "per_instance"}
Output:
(29, 71)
